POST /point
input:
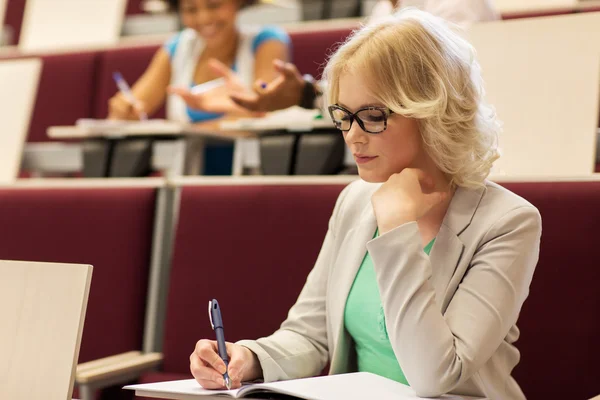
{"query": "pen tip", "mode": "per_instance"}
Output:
(227, 382)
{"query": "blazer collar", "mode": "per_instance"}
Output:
(462, 208)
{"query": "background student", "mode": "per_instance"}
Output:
(211, 36)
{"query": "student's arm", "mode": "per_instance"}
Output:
(272, 43)
(299, 348)
(150, 89)
(439, 352)
(266, 54)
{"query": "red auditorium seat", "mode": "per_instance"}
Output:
(131, 62)
(261, 240)
(14, 17)
(310, 50)
(110, 228)
(559, 322)
(65, 92)
(134, 7)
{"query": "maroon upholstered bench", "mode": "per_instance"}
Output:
(110, 228)
(14, 18)
(560, 322)
(260, 240)
(263, 241)
(134, 7)
(65, 92)
(310, 50)
(131, 62)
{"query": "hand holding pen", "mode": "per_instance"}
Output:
(125, 105)
(207, 361)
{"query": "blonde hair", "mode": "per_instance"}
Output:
(420, 68)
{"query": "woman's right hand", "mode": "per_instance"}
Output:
(121, 109)
(208, 368)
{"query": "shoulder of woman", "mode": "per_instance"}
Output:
(268, 33)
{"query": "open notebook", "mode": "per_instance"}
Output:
(359, 386)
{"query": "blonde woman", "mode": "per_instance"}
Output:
(426, 264)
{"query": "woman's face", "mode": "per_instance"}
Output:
(214, 20)
(379, 156)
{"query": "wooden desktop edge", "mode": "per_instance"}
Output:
(115, 366)
(208, 129)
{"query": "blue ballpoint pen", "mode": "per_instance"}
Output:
(126, 90)
(216, 321)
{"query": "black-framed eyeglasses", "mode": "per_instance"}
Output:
(371, 119)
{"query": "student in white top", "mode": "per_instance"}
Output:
(211, 37)
(426, 264)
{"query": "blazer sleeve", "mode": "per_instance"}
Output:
(439, 352)
(299, 348)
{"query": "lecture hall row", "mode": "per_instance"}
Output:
(153, 245)
(87, 96)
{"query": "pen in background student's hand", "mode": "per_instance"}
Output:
(126, 91)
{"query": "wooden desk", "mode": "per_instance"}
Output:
(542, 76)
(515, 7)
(67, 23)
(189, 150)
(43, 310)
(17, 96)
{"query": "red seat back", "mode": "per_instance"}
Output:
(251, 247)
(560, 322)
(110, 228)
(310, 50)
(131, 62)
(14, 17)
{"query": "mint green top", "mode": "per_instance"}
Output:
(365, 321)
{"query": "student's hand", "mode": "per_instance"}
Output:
(208, 368)
(216, 100)
(120, 108)
(406, 197)
(283, 92)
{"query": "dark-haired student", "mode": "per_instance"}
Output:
(211, 36)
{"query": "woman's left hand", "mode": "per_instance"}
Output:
(406, 197)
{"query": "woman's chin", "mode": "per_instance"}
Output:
(370, 176)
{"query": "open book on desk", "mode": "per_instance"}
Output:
(293, 119)
(354, 386)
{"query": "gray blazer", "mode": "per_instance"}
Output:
(450, 316)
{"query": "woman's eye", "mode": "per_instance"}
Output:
(374, 118)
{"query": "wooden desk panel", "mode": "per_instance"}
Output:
(542, 75)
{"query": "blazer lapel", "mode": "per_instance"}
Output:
(444, 257)
(351, 254)
(448, 247)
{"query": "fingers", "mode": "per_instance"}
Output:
(237, 365)
(119, 108)
(192, 100)
(205, 376)
(249, 101)
(207, 351)
(285, 68)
